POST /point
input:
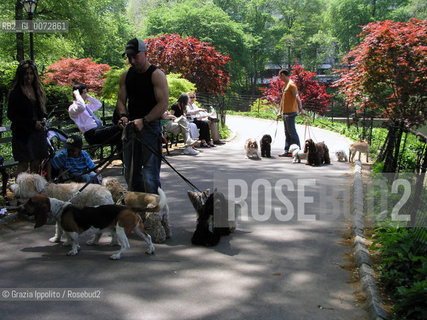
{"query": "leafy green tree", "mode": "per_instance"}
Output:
(297, 21)
(344, 18)
(207, 23)
(98, 29)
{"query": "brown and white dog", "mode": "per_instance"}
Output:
(317, 153)
(75, 220)
(28, 185)
(152, 207)
(361, 146)
(251, 149)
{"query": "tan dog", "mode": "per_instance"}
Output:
(361, 147)
(152, 207)
(76, 220)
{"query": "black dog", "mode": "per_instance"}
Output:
(266, 146)
(317, 153)
(212, 220)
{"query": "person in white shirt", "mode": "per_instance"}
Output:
(181, 125)
(199, 114)
(83, 116)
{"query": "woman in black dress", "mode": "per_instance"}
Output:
(180, 107)
(27, 111)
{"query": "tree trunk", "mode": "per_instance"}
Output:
(392, 151)
(388, 152)
(19, 35)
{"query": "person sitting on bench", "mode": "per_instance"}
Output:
(75, 162)
(87, 122)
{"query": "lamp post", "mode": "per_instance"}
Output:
(30, 8)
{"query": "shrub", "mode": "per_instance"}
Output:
(403, 269)
(68, 72)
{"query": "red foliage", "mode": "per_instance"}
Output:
(387, 71)
(68, 72)
(196, 61)
(312, 94)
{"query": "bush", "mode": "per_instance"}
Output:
(7, 74)
(111, 85)
(262, 105)
(178, 86)
(68, 72)
(403, 269)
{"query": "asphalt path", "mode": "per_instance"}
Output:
(286, 260)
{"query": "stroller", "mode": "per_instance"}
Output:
(55, 139)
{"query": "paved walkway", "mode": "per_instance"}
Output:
(290, 266)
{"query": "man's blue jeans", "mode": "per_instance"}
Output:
(291, 134)
(146, 165)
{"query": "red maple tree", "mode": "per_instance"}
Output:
(312, 94)
(68, 72)
(196, 61)
(387, 71)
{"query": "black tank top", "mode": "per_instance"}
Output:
(140, 92)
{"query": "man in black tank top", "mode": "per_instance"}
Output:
(145, 90)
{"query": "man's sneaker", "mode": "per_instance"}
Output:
(190, 142)
(190, 151)
(286, 154)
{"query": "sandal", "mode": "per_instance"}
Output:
(210, 144)
(204, 145)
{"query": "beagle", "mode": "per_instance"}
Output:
(74, 221)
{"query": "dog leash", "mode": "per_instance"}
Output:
(112, 158)
(307, 126)
(141, 140)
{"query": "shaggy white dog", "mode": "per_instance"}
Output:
(297, 153)
(341, 156)
(28, 185)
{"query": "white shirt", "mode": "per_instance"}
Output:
(199, 115)
(79, 114)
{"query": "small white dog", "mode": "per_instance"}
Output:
(297, 153)
(251, 149)
(341, 156)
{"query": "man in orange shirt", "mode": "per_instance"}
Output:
(290, 105)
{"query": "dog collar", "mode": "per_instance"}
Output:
(57, 206)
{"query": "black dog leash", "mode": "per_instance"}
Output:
(141, 140)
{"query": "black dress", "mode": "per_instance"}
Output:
(28, 143)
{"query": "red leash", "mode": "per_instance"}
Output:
(306, 125)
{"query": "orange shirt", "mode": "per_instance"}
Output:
(289, 103)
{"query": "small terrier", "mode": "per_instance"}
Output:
(297, 153)
(341, 156)
(251, 149)
(266, 146)
(361, 146)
